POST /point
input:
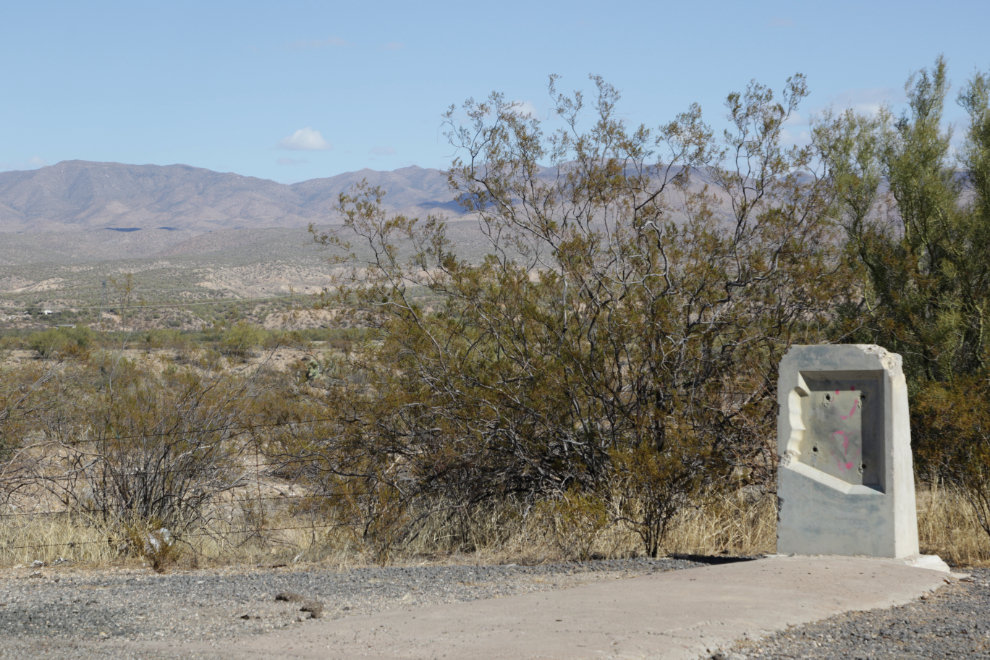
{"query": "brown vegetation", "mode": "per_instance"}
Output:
(601, 383)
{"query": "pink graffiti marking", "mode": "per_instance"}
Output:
(847, 465)
(853, 411)
(845, 439)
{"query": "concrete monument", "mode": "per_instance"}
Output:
(845, 482)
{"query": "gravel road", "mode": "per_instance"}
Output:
(83, 615)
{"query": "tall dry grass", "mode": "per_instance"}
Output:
(514, 533)
(93, 542)
(724, 525)
(947, 527)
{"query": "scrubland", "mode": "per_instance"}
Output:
(222, 441)
(601, 381)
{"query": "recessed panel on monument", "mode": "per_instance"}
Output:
(843, 420)
(845, 479)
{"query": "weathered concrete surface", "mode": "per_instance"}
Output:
(683, 614)
(845, 480)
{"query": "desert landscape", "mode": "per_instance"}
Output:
(73, 229)
(312, 345)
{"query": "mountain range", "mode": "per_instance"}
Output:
(79, 195)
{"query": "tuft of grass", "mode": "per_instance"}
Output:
(948, 527)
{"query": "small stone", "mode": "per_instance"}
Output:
(290, 597)
(36, 574)
(314, 607)
(37, 563)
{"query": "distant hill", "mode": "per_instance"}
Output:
(83, 212)
(79, 195)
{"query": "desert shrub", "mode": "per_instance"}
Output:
(49, 343)
(923, 247)
(166, 338)
(62, 342)
(601, 344)
(950, 424)
(22, 401)
(134, 446)
(576, 520)
(241, 339)
(924, 252)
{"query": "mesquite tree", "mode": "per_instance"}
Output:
(621, 336)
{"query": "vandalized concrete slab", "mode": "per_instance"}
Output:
(683, 614)
(845, 482)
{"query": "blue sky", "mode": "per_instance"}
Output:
(297, 90)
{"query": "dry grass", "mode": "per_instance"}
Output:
(95, 543)
(734, 525)
(493, 535)
(737, 525)
(947, 527)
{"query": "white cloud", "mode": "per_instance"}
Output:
(799, 138)
(867, 101)
(795, 131)
(524, 109)
(795, 119)
(305, 139)
(309, 44)
(383, 151)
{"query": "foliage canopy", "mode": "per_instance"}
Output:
(622, 336)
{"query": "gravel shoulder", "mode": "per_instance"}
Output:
(80, 614)
(953, 622)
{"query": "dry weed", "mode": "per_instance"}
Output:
(734, 525)
(948, 527)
